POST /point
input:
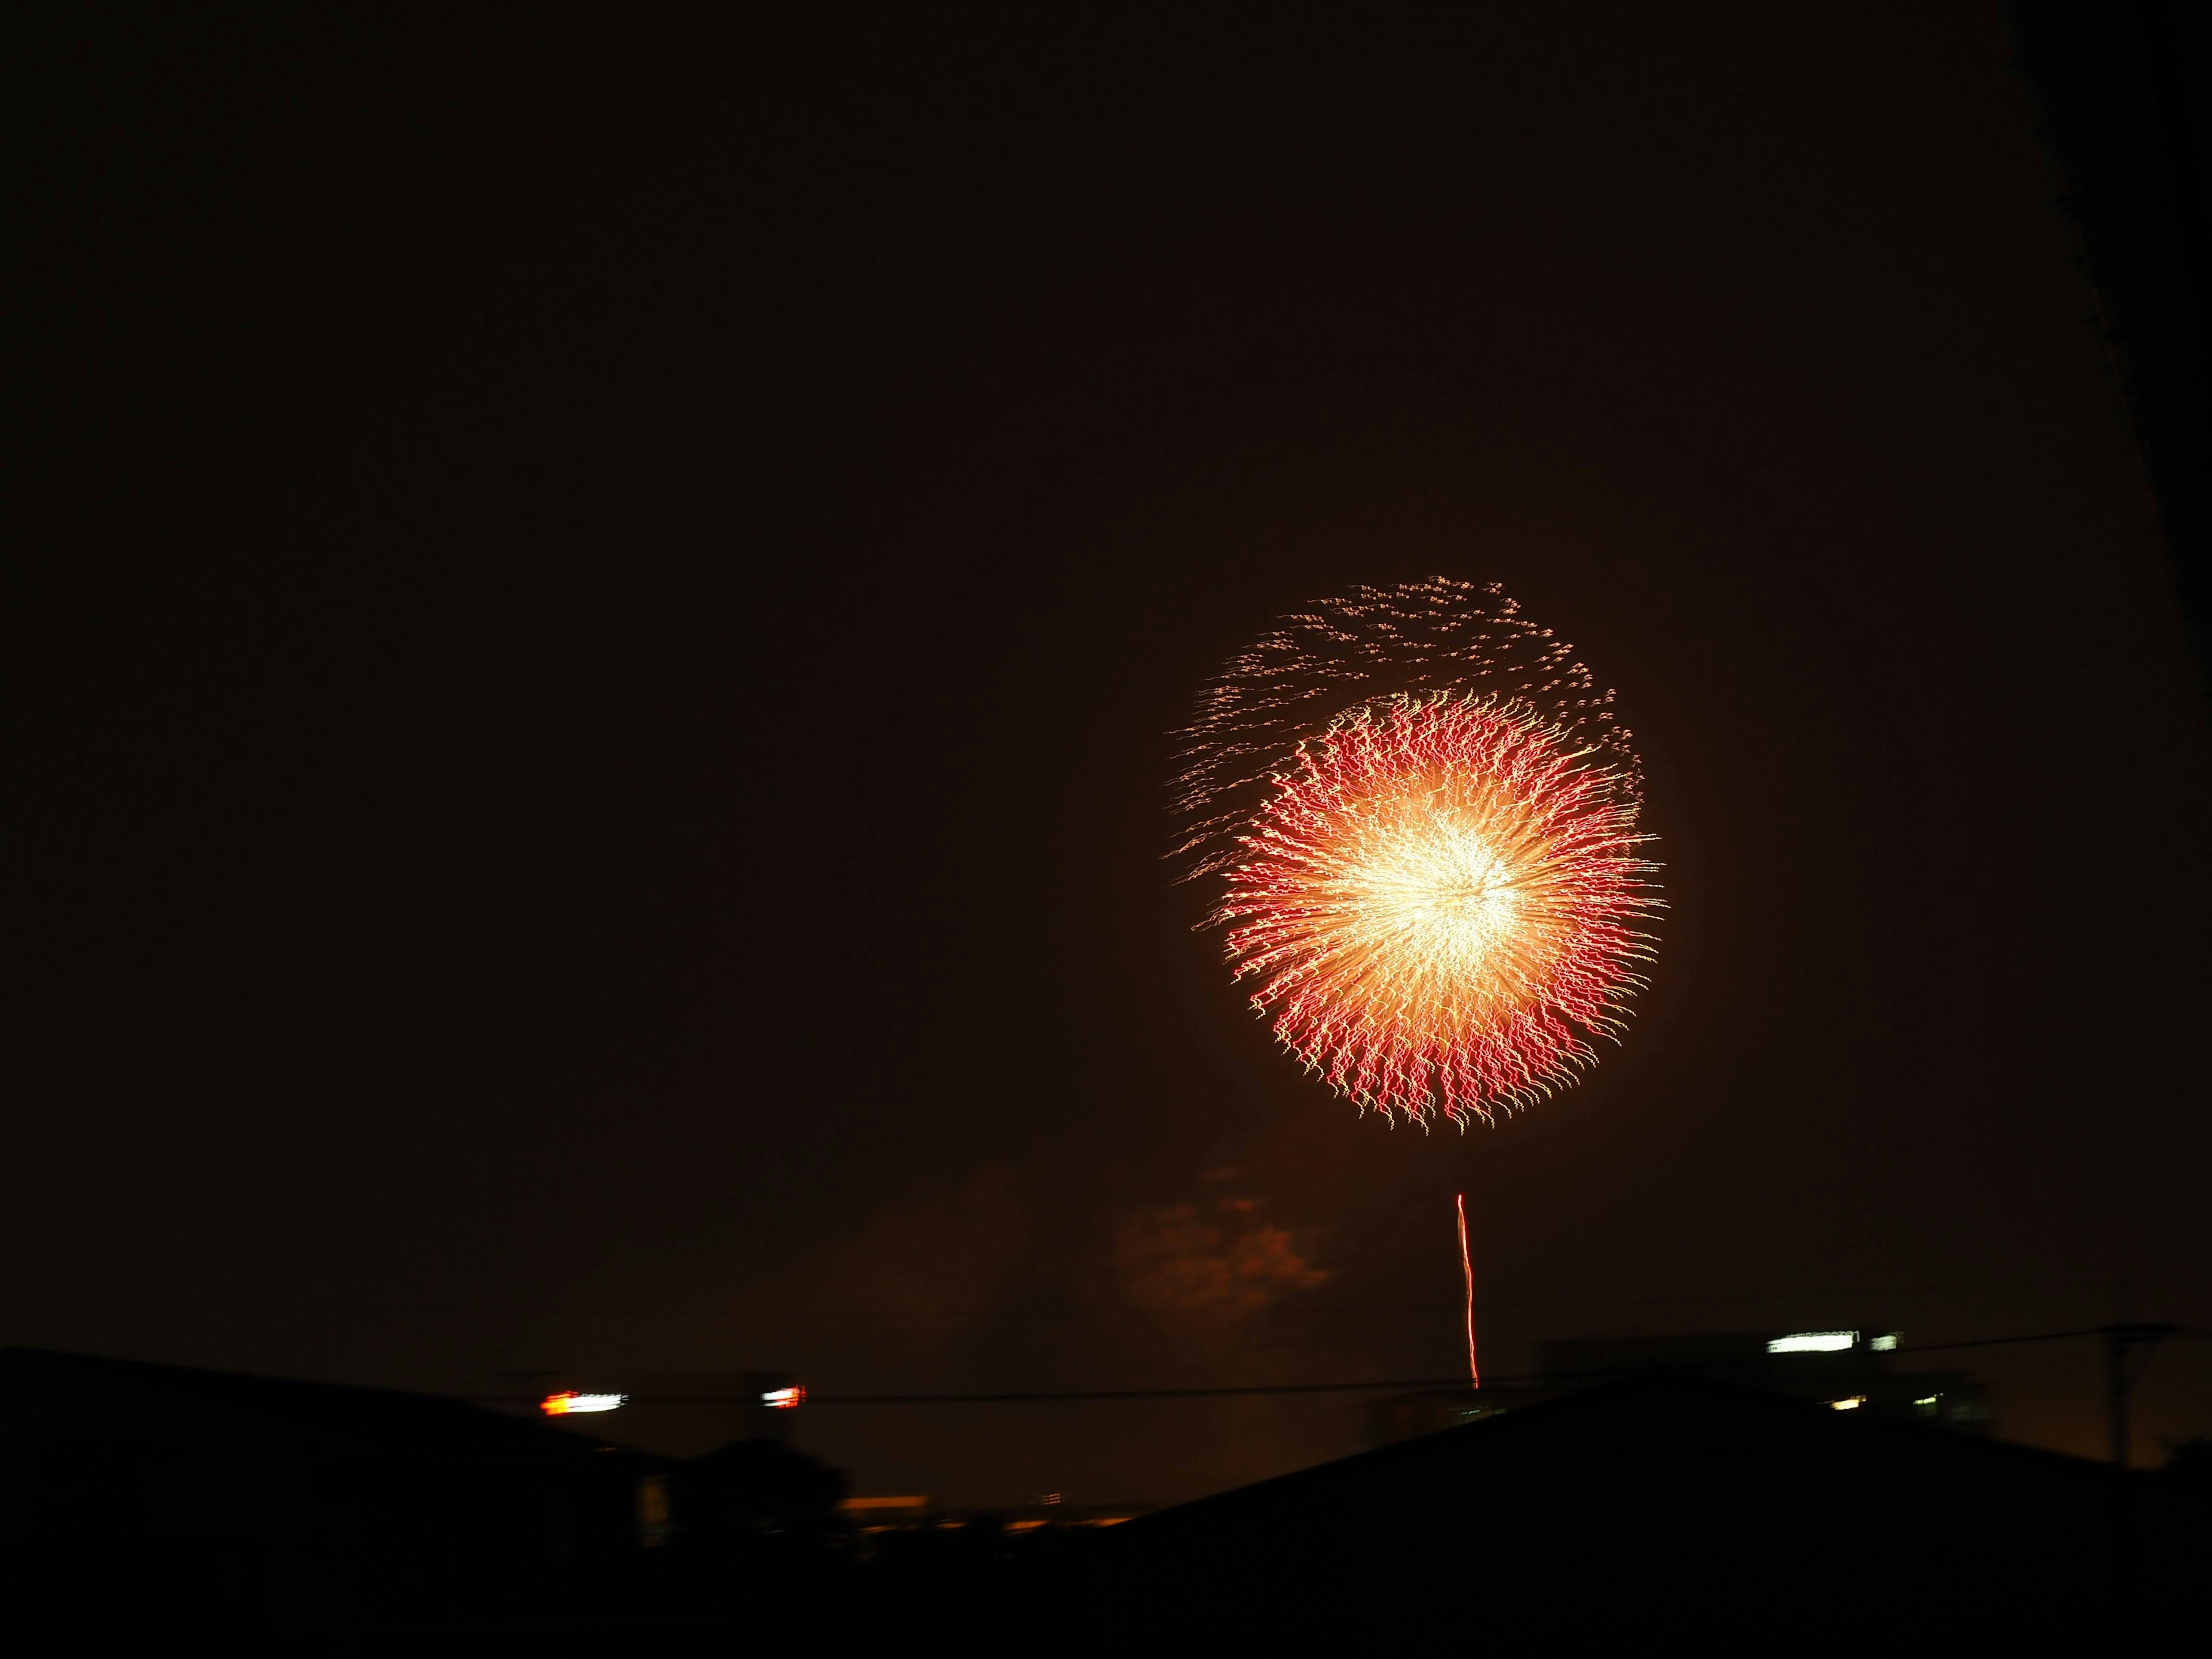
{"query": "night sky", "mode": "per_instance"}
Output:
(594, 620)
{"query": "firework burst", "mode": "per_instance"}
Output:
(1437, 891)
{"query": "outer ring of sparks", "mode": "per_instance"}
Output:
(1439, 902)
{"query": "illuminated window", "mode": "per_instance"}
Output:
(653, 1524)
(1814, 1342)
(561, 1405)
(1885, 1343)
(1850, 1403)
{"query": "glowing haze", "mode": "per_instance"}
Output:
(1436, 890)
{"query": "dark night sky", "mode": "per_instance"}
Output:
(587, 708)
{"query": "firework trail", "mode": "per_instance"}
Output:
(1467, 1272)
(1423, 817)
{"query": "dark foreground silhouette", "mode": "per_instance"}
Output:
(148, 1498)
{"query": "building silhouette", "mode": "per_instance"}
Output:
(1669, 1506)
(1844, 1370)
(134, 1493)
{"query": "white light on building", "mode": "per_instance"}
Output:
(784, 1399)
(1886, 1343)
(1850, 1405)
(561, 1405)
(1814, 1342)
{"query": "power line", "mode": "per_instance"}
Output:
(1012, 1397)
(1370, 1385)
(741, 1311)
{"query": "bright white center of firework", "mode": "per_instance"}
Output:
(1430, 885)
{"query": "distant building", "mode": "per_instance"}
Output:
(1664, 1508)
(1845, 1369)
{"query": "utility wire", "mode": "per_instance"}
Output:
(1371, 1385)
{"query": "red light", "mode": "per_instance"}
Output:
(784, 1399)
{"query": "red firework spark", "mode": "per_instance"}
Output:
(1439, 900)
(1416, 638)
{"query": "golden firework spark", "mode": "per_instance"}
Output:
(1439, 896)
